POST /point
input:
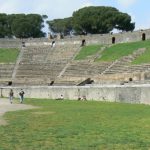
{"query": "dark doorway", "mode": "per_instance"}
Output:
(9, 83)
(143, 37)
(23, 44)
(113, 40)
(51, 83)
(83, 42)
(87, 81)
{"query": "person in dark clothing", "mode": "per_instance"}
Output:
(21, 94)
(53, 44)
(83, 42)
(11, 95)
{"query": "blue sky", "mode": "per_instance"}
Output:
(138, 9)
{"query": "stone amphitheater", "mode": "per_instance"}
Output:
(47, 72)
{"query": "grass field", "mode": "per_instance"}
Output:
(8, 55)
(88, 51)
(77, 125)
(117, 51)
(123, 49)
(144, 58)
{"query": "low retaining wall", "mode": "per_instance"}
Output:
(113, 93)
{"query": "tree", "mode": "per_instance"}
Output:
(63, 26)
(4, 27)
(93, 19)
(21, 28)
(24, 26)
(123, 22)
(36, 24)
(100, 19)
(21, 25)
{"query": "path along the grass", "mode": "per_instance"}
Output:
(6, 106)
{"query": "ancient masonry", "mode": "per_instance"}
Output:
(41, 64)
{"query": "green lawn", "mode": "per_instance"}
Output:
(123, 49)
(88, 51)
(8, 55)
(77, 125)
(144, 58)
(117, 51)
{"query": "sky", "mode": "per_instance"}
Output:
(139, 10)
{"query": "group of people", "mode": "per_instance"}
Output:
(82, 98)
(21, 95)
(61, 97)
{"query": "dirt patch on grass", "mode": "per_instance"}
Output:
(2, 121)
(44, 113)
(5, 106)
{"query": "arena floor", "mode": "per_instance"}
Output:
(6, 106)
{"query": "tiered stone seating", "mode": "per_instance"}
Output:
(79, 71)
(6, 71)
(122, 65)
(66, 81)
(139, 68)
(85, 68)
(10, 43)
(63, 53)
(42, 64)
(39, 70)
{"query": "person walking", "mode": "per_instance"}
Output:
(21, 93)
(11, 95)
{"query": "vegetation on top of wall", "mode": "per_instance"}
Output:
(123, 49)
(88, 51)
(8, 55)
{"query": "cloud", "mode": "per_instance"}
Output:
(52, 8)
(87, 4)
(9, 6)
(126, 3)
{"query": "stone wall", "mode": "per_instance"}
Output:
(90, 39)
(108, 38)
(112, 93)
(97, 38)
(10, 43)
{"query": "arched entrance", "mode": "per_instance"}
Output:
(143, 36)
(113, 40)
(83, 42)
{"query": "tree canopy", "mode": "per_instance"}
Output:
(61, 25)
(93, 19)
(21, 25)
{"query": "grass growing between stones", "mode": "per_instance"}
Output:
(144, 58)
(123, 49)
(77, 125)
(88, 51)
(8, 55)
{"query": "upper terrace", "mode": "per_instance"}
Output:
(39, 63)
